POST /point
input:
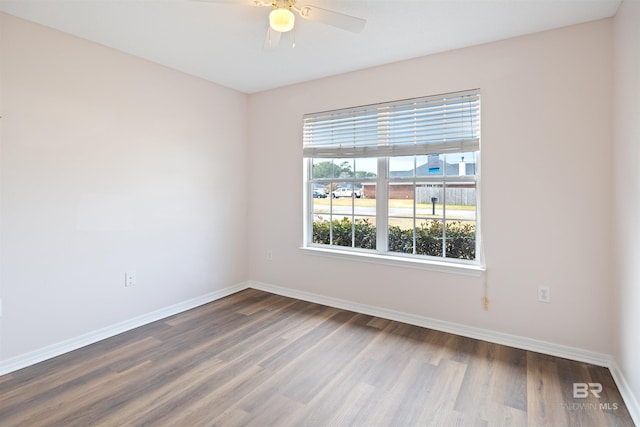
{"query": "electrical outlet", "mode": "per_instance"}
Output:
(269, 255)
(544, 294)
(129, 278)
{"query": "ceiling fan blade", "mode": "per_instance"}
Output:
(272, 40)
(336, 19)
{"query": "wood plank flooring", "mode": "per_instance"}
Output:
(257, 359)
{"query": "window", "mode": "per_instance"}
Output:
(398, 178)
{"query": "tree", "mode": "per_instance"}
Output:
(343, 171)
(363, 174)
(323, 170)
(329, 169)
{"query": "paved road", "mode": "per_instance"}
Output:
(452, 214)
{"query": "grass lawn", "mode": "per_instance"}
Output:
(321, 206)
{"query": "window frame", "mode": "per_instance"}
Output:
(382, 180)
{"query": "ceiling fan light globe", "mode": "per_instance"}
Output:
(282, 19)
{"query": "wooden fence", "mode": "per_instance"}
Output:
(456, 194)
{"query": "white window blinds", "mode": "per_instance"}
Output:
(431, 125)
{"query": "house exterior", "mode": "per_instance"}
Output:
(459, 193)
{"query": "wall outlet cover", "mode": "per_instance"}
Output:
(544, 294)
(129, 278)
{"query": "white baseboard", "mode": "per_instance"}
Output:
(630, 400)
(523, 343)
(51, 351)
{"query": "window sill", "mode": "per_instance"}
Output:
(397, 261)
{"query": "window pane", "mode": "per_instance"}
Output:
(410, 166)
(461, 220)
(332, 168)
(461, 164)
(461, 240)
(342, 231)
(429, 218)
(401, 217)
(321, 230)
(431, 165)
(365, 232)
(401, 235)
(401, 191)
(319, 192)
(364, 206)
(429, 199)
(402, 167)
(341, 206)
(321, 207)
(366, 168)
(321, 168)
(343, 168)
(429, 237)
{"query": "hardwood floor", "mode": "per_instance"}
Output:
(257, 359)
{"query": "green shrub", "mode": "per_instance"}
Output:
(343, 230)
(322, 232)
(400, 240)
(365, 234)
(461, 240)
(460, 237)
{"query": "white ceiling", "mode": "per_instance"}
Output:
(223, 43)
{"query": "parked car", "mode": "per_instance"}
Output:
(343, 192)
(318, 193)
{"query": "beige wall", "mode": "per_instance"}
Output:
(111, 163)
(627, 190)
(546, 187)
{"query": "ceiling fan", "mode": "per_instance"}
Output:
(282, 18)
